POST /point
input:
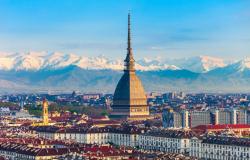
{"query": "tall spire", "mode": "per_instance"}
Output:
(129, 38)
(129, 61)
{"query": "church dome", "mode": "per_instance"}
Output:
(129, 91)
(129, 100)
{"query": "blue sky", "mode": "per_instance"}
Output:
(165, 28)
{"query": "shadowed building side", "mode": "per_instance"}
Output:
(130, 100)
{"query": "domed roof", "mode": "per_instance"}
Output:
(129, 91)
(129, 98)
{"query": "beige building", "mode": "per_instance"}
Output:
(130, 100)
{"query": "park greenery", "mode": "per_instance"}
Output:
(79, 109)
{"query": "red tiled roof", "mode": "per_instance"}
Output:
(2, 158)
(105, 122)
(102, 151)
(222, 126)
(26, 150)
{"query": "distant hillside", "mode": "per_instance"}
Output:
(74, 78)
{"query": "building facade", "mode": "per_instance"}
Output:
(122, 137)
(181, 141)
(172, 119)
(129, 100)
(173, 141)
(220, 148)
(192, 119)
(199, 118)
(227, 117)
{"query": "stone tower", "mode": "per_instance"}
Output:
(130, 100)
(45, 112)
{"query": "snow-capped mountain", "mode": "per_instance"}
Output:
(154, 64)
(198, 64)
(237, 69)
(240, 65)
(50, 61)
(41, 60)
(42, 71)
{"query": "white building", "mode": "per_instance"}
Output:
(118, 136)
(220, 148)
(168, 140)
(172, 141)
(181, 141)
(4, 111)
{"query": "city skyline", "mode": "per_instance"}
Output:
(173, 29)
(172, 81)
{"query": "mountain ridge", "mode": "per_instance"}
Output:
(88, 80)
(56, 60)
(57, 72)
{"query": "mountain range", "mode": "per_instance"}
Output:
(58, 72)
(34, 61)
